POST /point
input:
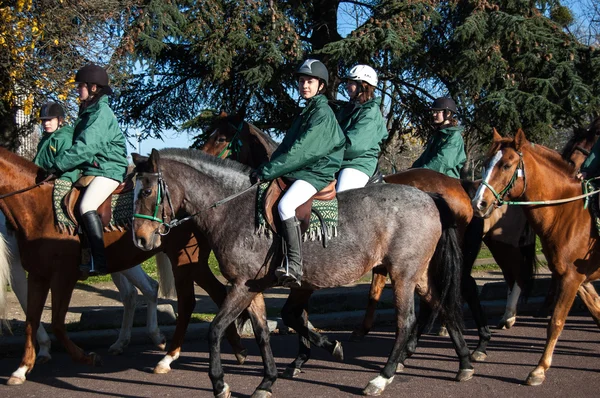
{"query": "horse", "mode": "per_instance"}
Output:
(52, 260)
(406, 232)
(534, 174)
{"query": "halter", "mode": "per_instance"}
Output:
(582, 150)
(235, 145)
(163, 191)
(519, 172)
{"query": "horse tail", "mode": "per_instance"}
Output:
(445, 269)
(166, 279)
(5, 261)
(530, 265)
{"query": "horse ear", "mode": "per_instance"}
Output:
(223, 114)
(520, 139)
(154, 160)
(138, 159)
(497, 137)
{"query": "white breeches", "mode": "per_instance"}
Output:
(297, 194)
(349, 178)
(96, 193)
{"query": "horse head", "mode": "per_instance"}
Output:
(579, 146)
(504, 174)
(149, 194)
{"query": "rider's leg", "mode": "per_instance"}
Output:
(95, 194)
(297, 194)
(350, 178)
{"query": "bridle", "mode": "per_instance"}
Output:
(519, 172)
(235, 145)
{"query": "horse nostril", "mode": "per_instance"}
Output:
(482, 205)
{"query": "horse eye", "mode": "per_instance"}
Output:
(221, 139)
(506, 167)
(146, 192)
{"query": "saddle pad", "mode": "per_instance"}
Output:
(121, 205)
(593, 201)
(328, 210)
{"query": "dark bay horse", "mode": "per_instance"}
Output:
(517, 169)
(403, 232)
(52, 259)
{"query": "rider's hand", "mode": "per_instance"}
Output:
(51, 174)
(581, 175)
(254, 177)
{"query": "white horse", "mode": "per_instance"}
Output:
(126, 281)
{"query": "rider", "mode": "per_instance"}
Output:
(57, 138)
(99, 150)
(364, 127)
(591, 166)
(445, 150)
(309, 155)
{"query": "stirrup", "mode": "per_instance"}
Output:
(289, 280)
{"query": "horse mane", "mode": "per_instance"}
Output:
(23, 164)
(229, 171)
(264, 138)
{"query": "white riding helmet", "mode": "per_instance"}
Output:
(363, 73)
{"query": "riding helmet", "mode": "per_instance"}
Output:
(444, 104)
(363, 73)
(314, 68)
(50, 110)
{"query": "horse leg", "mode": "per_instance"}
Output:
(415, 335)
(377, 285)
(186, 302)
(568, 286)
(238, 299)
(128, 294)
(19, 286)
(37, 292)
(62, 285)
(258, 316)
(590, 298)
(217, 292)
(149, 289)
(405, 324)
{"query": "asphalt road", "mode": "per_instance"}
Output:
(429, 373)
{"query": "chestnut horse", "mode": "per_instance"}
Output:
(517, 169)
(52, 259)
(406, 232)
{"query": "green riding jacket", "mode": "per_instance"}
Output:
(312, 149)
(444, 153)
(592, 163)
(52, 145)
(99, 147)
(365, 131)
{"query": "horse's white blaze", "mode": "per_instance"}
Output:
(136, 192)
(487, 174)
(381, 382)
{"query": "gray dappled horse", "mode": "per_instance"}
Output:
(398, 227)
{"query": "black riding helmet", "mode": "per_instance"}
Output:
(314, 68)
(93, 74)
(444, 104)
(50, 110)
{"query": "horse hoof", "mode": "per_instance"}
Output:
(42, 359)
(357, 336)
(478, 356)
(507, 323)
(241, 356)
(162, 346)
(400, 368)
(290, 373)
(261, 394)
(377, 386)
(15, 381)
(226, 393)
(338, 351)
(464, 374)
(535, 379)
(95, 359)
(115, 350)
(161, 370)
(443, 332)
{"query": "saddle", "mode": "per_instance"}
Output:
(72, 199)
(273, 195)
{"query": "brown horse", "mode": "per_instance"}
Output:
(52, 260)
(517, 169)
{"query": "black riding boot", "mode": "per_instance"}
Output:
(290, 272)
(94, 232)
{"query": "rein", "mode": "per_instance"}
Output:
(235, 145)
(163, 191)
(47, 179)
(520, 172)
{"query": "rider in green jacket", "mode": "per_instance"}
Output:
(310, 154)
(445, 150)
(57, 138)
(364, 127)
(99, 150)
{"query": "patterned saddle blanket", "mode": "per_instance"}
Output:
(318, 218)
(116, 212)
